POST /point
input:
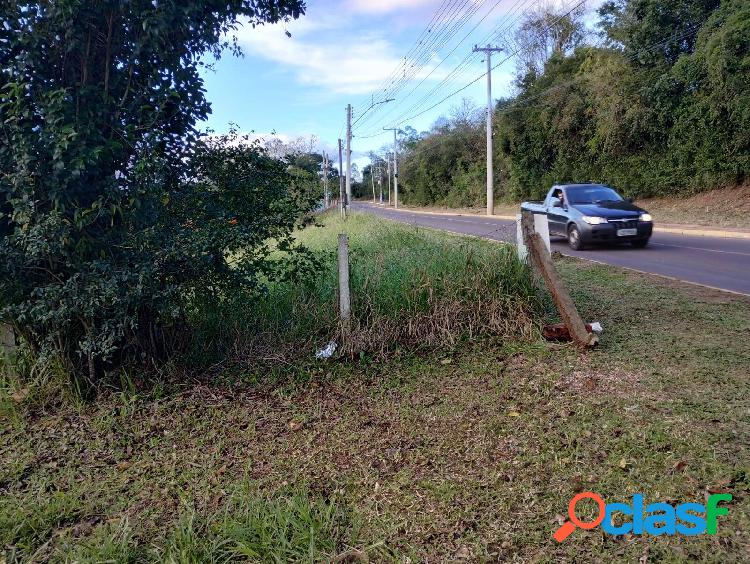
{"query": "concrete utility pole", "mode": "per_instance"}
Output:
(348, 154)
(388, 160)
(380, 184)
(490, 180)
(349, 142)
(372, 177)
(395, 164)
(325, 183)
(342, 194)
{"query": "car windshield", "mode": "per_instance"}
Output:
(592, 195)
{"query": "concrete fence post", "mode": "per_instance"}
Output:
(8, 344)
(345, 305)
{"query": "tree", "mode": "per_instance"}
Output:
(654, 32)
(447, 165)
(661, 109)
(111, 217)
(545, 31)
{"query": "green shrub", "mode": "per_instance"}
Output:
(114, 213)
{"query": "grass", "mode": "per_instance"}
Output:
(298, 527)
(469, 452)
(411, 289)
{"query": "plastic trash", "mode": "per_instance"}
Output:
(596, 327)
(327, 351)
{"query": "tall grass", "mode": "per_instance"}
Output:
(411, 288)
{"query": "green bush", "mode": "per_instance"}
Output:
(114, 213)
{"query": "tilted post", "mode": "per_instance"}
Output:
(542, 263)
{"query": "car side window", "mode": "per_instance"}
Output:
(556, 193)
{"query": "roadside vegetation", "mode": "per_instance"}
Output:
(651, 101)
(116, 212)
(411, 290)
(723, 208)
(169, 289)
(468, 451)
(727, 208)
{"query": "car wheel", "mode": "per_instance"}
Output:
(639, 244)
(574, 238)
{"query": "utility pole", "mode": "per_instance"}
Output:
(395, 164)
(380, 183)
(490, 180)
(349, 142)
(326, 197)
(372, 177)
(388, 159)
(348, 154)
(342, 194)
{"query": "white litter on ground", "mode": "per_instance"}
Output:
(327, 351)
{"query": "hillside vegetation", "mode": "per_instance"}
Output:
(655, 101)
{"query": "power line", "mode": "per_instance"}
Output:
(495, 5)
(419, 56)
(447, 29)
(418, 42)
(506, 23)
(581, 2)
(515, 105)
(465, 63)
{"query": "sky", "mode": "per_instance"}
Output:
(296, 78)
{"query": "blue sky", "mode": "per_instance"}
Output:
(344, 52)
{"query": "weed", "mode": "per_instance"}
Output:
(411, 289)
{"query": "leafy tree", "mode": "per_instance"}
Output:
(545, 31)
(114, 213)
(660, 108)
(445, 166)
(654, 32)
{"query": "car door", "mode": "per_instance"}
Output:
(557, 217)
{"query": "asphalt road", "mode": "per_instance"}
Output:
(709, 261)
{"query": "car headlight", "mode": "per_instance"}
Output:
(646, 217)
(594, 220)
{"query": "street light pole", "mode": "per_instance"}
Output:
(348, 155)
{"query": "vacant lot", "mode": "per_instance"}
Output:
(466, 452)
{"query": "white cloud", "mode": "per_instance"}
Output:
(327, 54)
(388, 6)
(321, 57)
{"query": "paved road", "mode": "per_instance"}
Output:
(715, 262)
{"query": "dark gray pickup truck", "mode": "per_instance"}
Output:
(593, 213)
